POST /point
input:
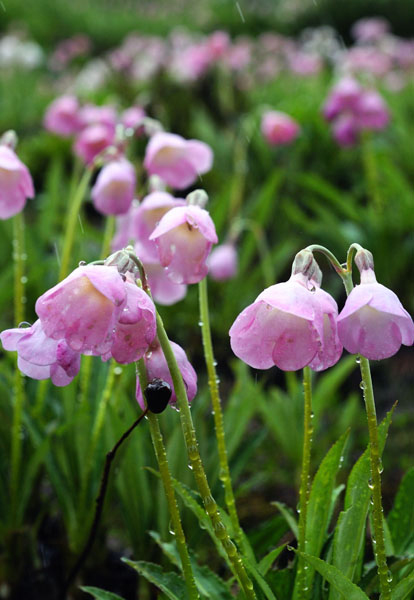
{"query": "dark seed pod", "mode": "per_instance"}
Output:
(157, 394)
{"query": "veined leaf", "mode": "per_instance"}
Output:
(171, 584)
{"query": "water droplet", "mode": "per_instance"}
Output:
(190, 466)
(389, 576)
(370, 484)
(82, 263)
(312, 415)
(380, 467)
(171, 529)
(193, 451)
(200, 323)
(118, 370)
(23, 279)
(362, 385)
(24, 324)
(358, 360)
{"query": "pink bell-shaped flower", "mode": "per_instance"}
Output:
(132, 118)
(92, 140)
(41, 357)
(289, 326)
(222, 262)
(157, 368)
(184, 237)
(84, 308)
(114, 188)
(62, 116)
(278, 128)
(373, 322)
(16, 183)
(177, 161)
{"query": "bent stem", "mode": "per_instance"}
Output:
(217, 411)
(300, 583)
(161, 456)
(75, 203)
(375, 483)
(197, 465)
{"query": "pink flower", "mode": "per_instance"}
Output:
(15, 183)
(372, 111)
(84, 308)
(370, 29)
(345, 130)
(184, 237)
(157, 368)
(222, 262)
(136, 327)
(177, 161)
(289, 326)
(92, 141)
(344, 96)
(278, 128)
(62, 116)
(90, 114)
(41, 357)
(373, 321)
(114, 188)
(132, 118)
(163, 290)
(218, 43)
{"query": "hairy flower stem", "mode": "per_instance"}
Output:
(19, 392)
(217, 411)
(375, 460)
(197, 466)
(300, 583)
(161, 456)
(75, 203)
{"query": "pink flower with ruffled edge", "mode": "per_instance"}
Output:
(92, 140)
(222, 262)
(16, 183)
(84, 308)
(41, 357)
(157, 368)
(289, 326)
(373, 322)
(278, 128)
(114, 188)
(177, 161)
(184, 237)
(136, 327)
(62, 116)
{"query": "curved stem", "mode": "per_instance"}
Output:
(161, 455)
(197, 465)
(300, 583)
(329, 255)
(217, 411)
(375, 483)
(72, 217)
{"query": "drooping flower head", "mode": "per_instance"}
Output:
(222, 262)
(62, 116)
(157, 368)
(16, 183)
(373, 322)
(177, 161)
(278, 128)
(184, 237)
(114, 188)
(92, 140)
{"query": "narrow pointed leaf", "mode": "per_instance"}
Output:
(171, 584)
(100, 594)
(401, 518)
(288, 516)
(403, 589)
(267, 561)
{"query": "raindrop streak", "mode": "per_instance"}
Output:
(240, 12)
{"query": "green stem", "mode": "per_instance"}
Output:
(75, 203)
(329, 255)
(371, 173)
(375, 483)
(197, 465)
(217, 410)
(300, 583)
(19, 392)
(108, 235)
(161, 455)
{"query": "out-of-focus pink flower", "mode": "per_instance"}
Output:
(278, 128)
(368, 60)
(345, 130)
(239, 55)
(304, 63)
(373, 322)
(372, 111)
(41, 357)
(184, 237)
(124, 234)
(177, 161)
(370, 29)
(16, 183)
(92, 140)
(344, 96)
(218, 43)
(114, 188)
(62, 116)
(84, 308)
(222, 262)
(132, 118)
(289, 326)
(136, 327)
(90, 114)
(157, 368)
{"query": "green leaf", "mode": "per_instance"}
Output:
(401, 518)
(267, 561)
(320, 499)
(170, 583)
(342, 584)
(288, 516)
(260, 580)
(349, 532)
(100, 594)
(403, 589)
